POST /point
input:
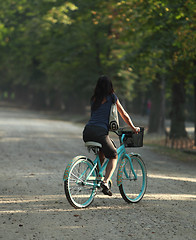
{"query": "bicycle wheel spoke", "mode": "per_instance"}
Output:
(77, 177)
(79, 192)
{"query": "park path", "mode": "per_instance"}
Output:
(34, 152)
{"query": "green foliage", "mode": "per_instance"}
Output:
(57, 49)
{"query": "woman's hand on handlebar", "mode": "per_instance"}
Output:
(136, 129)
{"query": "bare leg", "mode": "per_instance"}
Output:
(111, 166)
(101, 157)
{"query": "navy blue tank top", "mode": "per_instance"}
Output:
(100, 116)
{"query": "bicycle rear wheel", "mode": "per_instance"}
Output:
(132, 188)
(79, 192)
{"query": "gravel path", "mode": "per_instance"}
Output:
(34, 152)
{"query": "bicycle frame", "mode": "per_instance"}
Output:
(121, 154)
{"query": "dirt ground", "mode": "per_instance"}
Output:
(34, 153)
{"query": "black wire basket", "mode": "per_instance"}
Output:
(131, 138)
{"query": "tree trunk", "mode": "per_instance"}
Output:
(157, 111)
(178, 110)
(195, 109)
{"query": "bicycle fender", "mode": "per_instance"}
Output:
(69, 165)
(135, 155)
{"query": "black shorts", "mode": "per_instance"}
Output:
(100, 135)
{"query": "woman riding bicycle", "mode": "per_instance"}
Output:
(97, 128)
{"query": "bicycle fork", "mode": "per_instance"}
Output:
(122, 169)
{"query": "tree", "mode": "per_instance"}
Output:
(52, 53)
(163, 27)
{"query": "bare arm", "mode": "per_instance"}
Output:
(125, 116)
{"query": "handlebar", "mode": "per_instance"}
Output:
(121, 132)
(121, 136)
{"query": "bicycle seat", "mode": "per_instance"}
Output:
(95, 146)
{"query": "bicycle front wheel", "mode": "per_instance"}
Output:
(79, 191)
(133, 180)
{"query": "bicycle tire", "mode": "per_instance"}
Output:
(78, 193)
(131, 189)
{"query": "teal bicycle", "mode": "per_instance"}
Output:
(82, 177)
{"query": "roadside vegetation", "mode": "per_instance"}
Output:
(158, 145)
(53, 51)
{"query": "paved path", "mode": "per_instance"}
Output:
(34, 152)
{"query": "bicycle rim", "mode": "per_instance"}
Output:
(133, 188)
(77, 190)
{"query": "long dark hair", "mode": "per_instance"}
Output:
(103, 88)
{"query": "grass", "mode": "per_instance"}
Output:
(157, 143)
